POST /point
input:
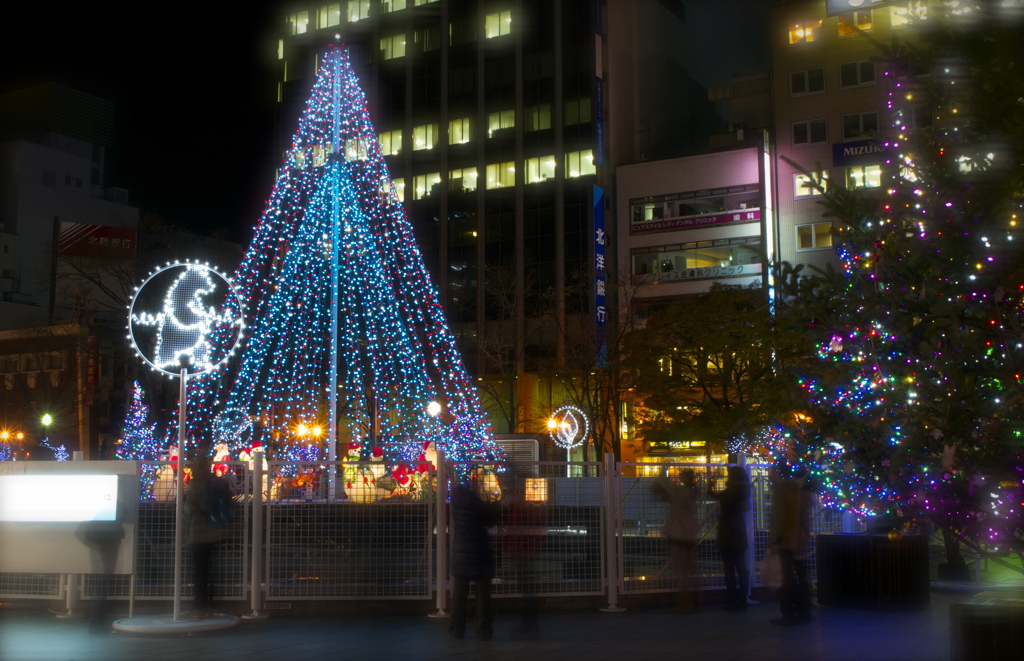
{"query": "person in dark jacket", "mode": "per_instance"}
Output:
(203, 537)
(471, 561)
(732, 535)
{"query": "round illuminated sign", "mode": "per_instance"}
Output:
(185, 316)
(568, 427)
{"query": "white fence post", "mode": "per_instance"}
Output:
(611, 508)
(71, 584)
(256, 562)
(441, 518)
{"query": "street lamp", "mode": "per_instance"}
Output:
(47, 420)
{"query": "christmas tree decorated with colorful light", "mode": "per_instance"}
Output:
(140, 441)
(916, 409)
(341, 318)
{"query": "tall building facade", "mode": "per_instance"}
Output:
(502, 122)
(68, 244)
(829, 95)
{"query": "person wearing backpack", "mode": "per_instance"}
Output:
(208, 512)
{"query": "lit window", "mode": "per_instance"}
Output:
(804, 31)
(358, 10)
(424, 137)
(496, 121)
(804, 186)
(391, 142)
(429, 37)
(577, 111)
(462, 180)
(815, 236)
(280, 49)
(811, 132)
(299, 22)
(423, 185)
(853, 74)
(388, 6)
(498, 24)
(501, 175)
(807, 82)
(355, 149)
(864, 176)
(540, 169)
(538, 118)
(328, 16)
(860, 124)
(579, 163)
(393, 46)
(903, 13)
(399, 189)
(458, 131)
(417, 3)
(852, 21)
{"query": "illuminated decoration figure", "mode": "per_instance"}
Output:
(233, 428)
(568, 427)
(343, 323)
(186, 322)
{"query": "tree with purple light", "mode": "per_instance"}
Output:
(917, 399)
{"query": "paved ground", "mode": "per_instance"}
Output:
(29, 633)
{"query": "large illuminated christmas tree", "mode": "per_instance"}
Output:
(916, 408)
(340, 312)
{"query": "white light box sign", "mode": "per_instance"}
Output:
(58, 498)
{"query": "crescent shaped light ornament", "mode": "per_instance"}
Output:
(175, 314)
(568, 427)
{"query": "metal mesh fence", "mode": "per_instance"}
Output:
(363, 531)
(373, 539)
(644, 556)
(550, 527)
(18, 584)
(154, 542)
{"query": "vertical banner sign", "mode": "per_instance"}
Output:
(600, 275)
(92, 370)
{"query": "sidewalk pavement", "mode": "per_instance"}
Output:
(29, 633)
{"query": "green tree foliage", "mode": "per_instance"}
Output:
(713, 366)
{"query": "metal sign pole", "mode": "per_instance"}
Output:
(179, 496)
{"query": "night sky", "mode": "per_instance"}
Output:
(193, 96)
(193, 90)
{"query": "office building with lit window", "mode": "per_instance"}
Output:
(502, 123)
(829, 100)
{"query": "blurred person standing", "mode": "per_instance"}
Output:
(732, 535)
(207, 513)
(471, 561)
(682, 531)
(791, 534)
